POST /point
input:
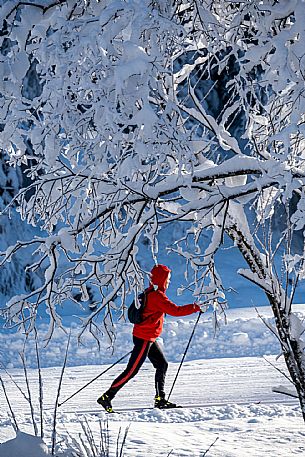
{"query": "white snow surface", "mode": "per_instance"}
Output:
(225, 386)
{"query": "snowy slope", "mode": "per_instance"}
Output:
(243, 334)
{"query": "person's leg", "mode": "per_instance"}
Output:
(136, 360)
(157, 358)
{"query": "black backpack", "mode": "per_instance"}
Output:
(135, 315)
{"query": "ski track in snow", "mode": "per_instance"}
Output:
(204, 383)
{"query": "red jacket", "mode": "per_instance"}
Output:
(157, 304)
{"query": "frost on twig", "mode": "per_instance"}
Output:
(29, 396)
(54, 431)
(15, 424)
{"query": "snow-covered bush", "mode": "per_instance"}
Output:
(119, 140)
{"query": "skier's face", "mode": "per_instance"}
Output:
(168, 281)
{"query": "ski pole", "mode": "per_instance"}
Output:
(183, 357)
(94, 379)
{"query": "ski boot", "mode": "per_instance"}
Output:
(105, 402)
(161, 403)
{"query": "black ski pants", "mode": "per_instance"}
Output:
(141, 350)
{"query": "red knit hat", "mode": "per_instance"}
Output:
(159, 275)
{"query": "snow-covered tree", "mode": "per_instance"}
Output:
(123, 137)
(14, 275)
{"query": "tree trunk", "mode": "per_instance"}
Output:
(291, 348)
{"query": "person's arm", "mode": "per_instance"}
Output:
(165, 305)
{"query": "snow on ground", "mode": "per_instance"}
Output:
(239, 410)
(226, 385)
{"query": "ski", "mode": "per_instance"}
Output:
(120, 410)
(147, 408)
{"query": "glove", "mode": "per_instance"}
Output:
(197, 308)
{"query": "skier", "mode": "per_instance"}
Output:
(145, 336)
